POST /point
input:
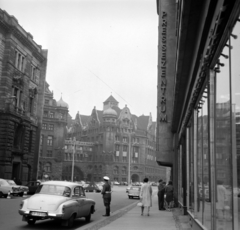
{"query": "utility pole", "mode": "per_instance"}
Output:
(129, 160)
(74, 146)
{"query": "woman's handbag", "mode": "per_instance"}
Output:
(139, 204)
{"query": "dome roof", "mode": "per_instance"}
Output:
(109, 112)
(62, 103)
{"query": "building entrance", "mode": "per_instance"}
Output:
(16, 171)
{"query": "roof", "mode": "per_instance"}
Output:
(64, 183)
(111, 98)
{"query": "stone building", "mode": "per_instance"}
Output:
(53, 134)
(22, 77)
(115, 134)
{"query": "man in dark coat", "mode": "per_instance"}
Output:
(106, 193)
(161, 192)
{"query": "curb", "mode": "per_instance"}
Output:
(103, 222)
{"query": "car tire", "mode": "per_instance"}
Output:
(1, 194)
(70, 221)
(31, 221)
(88, 218)
(21, 194)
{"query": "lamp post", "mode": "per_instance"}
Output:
(74, 146)
(129, 160)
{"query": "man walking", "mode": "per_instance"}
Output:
(106, 192)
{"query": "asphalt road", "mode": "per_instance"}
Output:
(11, 220)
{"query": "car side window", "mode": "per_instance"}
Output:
(82, 193)
(77, 191)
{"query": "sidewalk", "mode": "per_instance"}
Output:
(132, 219)
(129, 218)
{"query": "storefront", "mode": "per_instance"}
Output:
(205, 122)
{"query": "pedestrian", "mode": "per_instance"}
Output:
(161, 192)
(146, 196)
(106, 194)
(169, 195)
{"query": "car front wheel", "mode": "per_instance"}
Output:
(88, 218)
(31, 221)
(70, 221)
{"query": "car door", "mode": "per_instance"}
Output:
(79, 202)
(85, 204)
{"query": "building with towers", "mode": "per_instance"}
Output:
(114, 136)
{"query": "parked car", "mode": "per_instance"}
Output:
(22, 188)
(32, 186)
(116, 183)
(134, 191)
(92, 187)
(7, 186)
(58, 200)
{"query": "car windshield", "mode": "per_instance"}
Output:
(50, 189)
(11, 182)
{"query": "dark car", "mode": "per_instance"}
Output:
(92, 187)
(32, 186)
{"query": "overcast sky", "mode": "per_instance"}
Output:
(96, 48)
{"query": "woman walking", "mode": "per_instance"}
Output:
(146, 196)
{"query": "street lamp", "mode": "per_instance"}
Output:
(74, 146)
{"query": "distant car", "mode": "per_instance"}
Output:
(116, 183)
(32, 186)
(92, 187)
(9, 186)
(134, 191)
(58, 200)
(22, 187)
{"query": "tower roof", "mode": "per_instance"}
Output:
(111, 98)
(109, 112)
(62, 103)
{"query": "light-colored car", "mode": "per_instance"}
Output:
(9, 186)
(134, 191)
(22, 187)
(59, 200)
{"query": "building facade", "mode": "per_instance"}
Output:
(120, 142)
(199, 107)
(53, 134)
(22, 76)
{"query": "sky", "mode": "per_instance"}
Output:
(96, 48)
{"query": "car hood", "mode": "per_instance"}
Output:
(45, 202)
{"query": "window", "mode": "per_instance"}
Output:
(124, 170)
(45, 113)
(40, 152)
(19, 60)
(124, 139)
(125, 148)
(46, 102)
(116, 138)
(44, 126)
(48, 167)
(16, 93)
(51, 127)
(51, 114)
(31, 105)
(50, 141)
(49, 153)
(41, 139)
(115, 170)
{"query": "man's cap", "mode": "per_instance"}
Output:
(106, 178)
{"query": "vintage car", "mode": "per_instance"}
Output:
(134, 191)
(9, 186)
(92, 187)
(32, 186)
(58, 200)
(21, 190)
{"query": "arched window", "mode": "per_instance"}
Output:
(124, 170)
(48, 167)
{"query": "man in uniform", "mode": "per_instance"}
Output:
(106, 192)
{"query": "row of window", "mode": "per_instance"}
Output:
(20, 65)
(47, 126)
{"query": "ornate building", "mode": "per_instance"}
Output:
(116, 136)
(53, 134)
(22, 77)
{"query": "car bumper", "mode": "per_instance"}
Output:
(39, 215)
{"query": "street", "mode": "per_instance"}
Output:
(11, 220)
